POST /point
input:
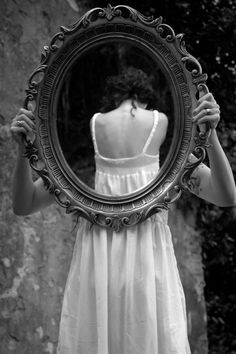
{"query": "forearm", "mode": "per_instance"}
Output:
(222, 179)
(23, 186)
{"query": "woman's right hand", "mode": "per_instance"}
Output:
(23, 126)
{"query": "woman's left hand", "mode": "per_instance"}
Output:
(207, 111)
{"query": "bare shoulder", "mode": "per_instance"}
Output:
(100, 119)
(163, 123)
(161, 131)
(163, 119)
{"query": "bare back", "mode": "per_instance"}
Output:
(121, 135)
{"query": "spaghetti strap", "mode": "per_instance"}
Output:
(93, 133)
(155, 122)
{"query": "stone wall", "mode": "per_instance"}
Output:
(36, 250)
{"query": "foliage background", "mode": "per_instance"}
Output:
(210, 33)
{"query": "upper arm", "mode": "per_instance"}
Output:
(203, 184)
(200, 182)
(41, 197)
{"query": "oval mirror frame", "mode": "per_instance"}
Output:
(184, 74)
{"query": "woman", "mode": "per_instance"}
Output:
(123, 293)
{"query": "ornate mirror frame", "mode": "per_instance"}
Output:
(186, 79)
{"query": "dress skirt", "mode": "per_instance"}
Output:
(123, 293)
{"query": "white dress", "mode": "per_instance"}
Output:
(123, 293)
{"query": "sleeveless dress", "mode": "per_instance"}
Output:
(123, 293)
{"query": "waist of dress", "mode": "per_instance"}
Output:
(119, 170)
(144, 164)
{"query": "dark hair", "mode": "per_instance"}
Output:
(131, 83)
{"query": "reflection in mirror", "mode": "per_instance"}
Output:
(81, 94)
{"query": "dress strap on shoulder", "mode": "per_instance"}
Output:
(93, 132)
(155, 122)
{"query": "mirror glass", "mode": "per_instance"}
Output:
(81, 94)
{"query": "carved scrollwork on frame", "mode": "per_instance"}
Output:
(184, 75)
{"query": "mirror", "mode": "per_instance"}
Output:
(67, 88)
(81, 97)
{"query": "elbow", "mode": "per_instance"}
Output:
(21, 206)
(227, 202)
(19, 211)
